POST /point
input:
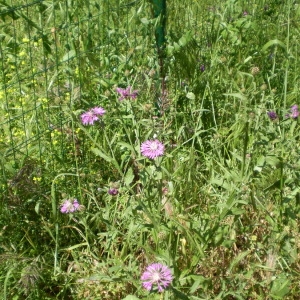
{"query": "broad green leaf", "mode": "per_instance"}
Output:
(182, 41)
(37, 208)
(198, 280)
(126, 145)
(145, 21)
(191, 96)
(237, 211)
(101, 154)
(129, 177)
(131, 297)
(272, 160)
(69, 55)
(272, 43)
(280, 287)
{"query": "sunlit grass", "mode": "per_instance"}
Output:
(219, 205)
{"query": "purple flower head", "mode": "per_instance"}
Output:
(272, 115)
(152, 149)
(294, 112)
(92, 115)
(99, 111)
(156, 275)
(202, 68)
(126, 93)
(70, 206)
(113, 191)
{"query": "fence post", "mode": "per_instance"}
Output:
(160, 11)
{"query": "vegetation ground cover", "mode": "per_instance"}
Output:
(112, 176)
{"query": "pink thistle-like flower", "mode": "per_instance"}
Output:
(70, 206)
(294, 112)
(92, 115)
(152, 149)
(156, 275)
(126, 93)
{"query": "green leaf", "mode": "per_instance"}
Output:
(280, 287)
(237, 95)
(126, 145)
(170, 50)
(238, 258)
(37, 208)
(69, 55)
(145, 21)
(191, 96)
(179, 295)
(100, 277)
(101, 154)
(261, 161)
(75, 246)
(247, 59)
(176, 46)
(237, 211)
(198, 280)
(272, 43)
(272, 160)
(260, 164)
(182, 41)
(128, 177)
(131, 297)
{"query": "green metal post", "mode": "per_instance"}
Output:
(160, 11)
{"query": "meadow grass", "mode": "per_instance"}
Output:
(219, 207)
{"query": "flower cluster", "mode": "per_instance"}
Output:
(92, 115)
(157, 276)
(70, 206)
(294, 112)
(126, 93)
(152, 149)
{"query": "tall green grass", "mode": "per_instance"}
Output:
(220, 207)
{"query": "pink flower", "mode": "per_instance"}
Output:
(152, 149)
(294, 112)
(126, 93)
(70, 206)
(157, 275)
(92, 115)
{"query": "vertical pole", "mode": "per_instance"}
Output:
(160, 11)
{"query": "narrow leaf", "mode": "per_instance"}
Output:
(101, 154)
